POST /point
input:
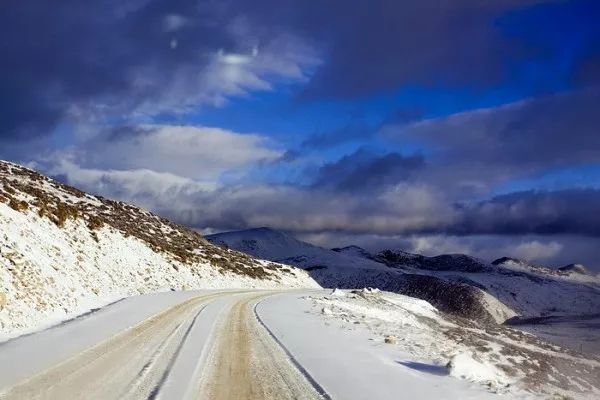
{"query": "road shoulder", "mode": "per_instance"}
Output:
(347, 364)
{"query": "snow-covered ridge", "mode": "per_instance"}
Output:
(572, 272)
(63, 251)
(442, 262)
(274, 245)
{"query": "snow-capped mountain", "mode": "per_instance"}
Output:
(63, 251)
(443, 262)
(278, 246)
(456, 283)
(576, 268)
(572, 271)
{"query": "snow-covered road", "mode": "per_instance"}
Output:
(215, 345)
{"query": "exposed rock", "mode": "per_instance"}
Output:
(2, 300)
(399, 258)
(451, 297)
(390, 339)
(354, 251)
(502, 260)
(459, 299)
(577, 268)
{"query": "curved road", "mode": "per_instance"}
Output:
(209, 346)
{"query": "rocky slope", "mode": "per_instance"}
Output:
(63, 251)
(274, 245)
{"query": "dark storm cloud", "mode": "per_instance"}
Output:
(359, 131)
(364, 171)
(72, 57)
(366, 192)
(381, 45)
(104, 54)
(574, 211)
(489, 147)
(549, 131)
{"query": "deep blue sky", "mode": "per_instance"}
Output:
(433, 126)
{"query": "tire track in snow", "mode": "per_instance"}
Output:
(247, 364)
(157, 388)
(318, 388)
(106, 370)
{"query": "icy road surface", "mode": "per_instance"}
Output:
(211, 345)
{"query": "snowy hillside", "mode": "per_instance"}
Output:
(570, 272)
(456, 283)
(443, 262)
(63, 252)
(278, 246)
(526, 289)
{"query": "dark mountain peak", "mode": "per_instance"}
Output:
(577, 268)
(455, 262)
(443, 262)
(502, 260)
(264, 230)
(260, 233)
(347, 248)
(354, 251)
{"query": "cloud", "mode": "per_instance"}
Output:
(209, 205)
(98, 60)
(360, 193)
(174, 22)
(569, 211)
(201, 153)
(471, 153)
(551, 227)
(364, 171)
(384, 45)
(537, 251)
(560, 128)
(146, 57)
(169, 195)
(446, 190)
(295, 209)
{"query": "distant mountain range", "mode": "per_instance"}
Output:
(457, 283)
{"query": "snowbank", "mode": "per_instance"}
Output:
(501, 359)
